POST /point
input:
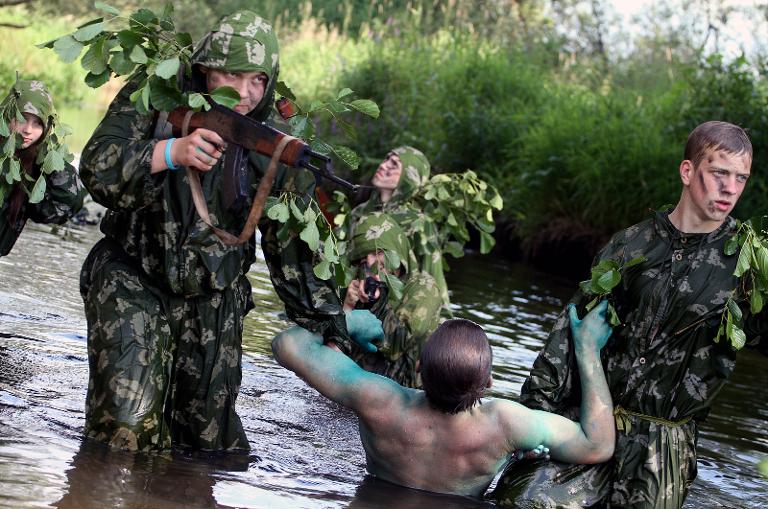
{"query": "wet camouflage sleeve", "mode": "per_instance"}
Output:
(63, 198)
(117, 160)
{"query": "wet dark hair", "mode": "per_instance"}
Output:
(716, 135)
(456, 366)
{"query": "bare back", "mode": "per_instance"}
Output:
(409, 443)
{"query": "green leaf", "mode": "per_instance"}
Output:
(95, 59)
(169, 67)
(763, 468)
(145, 97)
(4, 129)
(761, 257)
(196, 101)
(38, 191)
(323, 270)
(613, 317)
(486, 242)
(284, 90)
(634, 261)
(311, 236)
(299, 124)
(87, 32)
(329, 253)
(128, 39)
(395, 287)
(736, 335)
(455, 249)
(366, 107)
(163, 96)
(755, 302)
(347, 155)
(53, 162)
(106, 8)
(142, 19)
(97, 80)
(120, 64)
(496, 202)
(184, 40)
(226, 96)
(745, 256)
(137, 55)
(734, 310)
(344, 92)
(14, 170)
(67, 48)
(609, 280)
(296, 211)
(731, 246)
(9, 147)
(279, 212)
(391, 260)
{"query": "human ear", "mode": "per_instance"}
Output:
(687, 170)
(490, 383)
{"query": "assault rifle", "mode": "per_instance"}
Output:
(243, 133)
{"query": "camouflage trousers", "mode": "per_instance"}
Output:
(164, 370)
(653, 467)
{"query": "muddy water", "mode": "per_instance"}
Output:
(305, 450)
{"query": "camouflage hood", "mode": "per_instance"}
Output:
(31, 96)
(378, 232)
(242, 42)
(414, 175)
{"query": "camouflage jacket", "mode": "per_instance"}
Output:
(407, 324)
(63, 198)
(154, 219)
(662, 361)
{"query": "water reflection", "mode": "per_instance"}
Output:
(305, 450)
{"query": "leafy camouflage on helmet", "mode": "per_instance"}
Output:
(31, 96)
(379, 232)
(414, 175)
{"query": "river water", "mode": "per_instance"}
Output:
(305, 450)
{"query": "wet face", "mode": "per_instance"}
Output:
(716, 184)
(250, 85)
(388, 174)
(30, 130)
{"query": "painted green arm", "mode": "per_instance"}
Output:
(332, 373)
(592, 439)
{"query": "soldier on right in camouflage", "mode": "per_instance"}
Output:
(662, 364)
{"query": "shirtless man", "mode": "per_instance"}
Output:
(438, 439)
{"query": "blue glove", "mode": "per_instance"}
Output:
(364, 328)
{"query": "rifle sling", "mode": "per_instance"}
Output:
(265, 186)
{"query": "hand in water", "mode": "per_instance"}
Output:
(593, 331)
(364, 328)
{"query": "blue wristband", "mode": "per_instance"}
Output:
(168, 162)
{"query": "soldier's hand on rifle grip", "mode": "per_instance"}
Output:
(200, 150)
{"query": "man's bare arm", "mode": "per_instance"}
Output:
(593, 439)
(332, 373)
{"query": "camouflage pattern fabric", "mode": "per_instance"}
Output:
(242, 42)
(408, 321)
(64, 193)
(662, 362)
(423, 232)
(180, 273)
